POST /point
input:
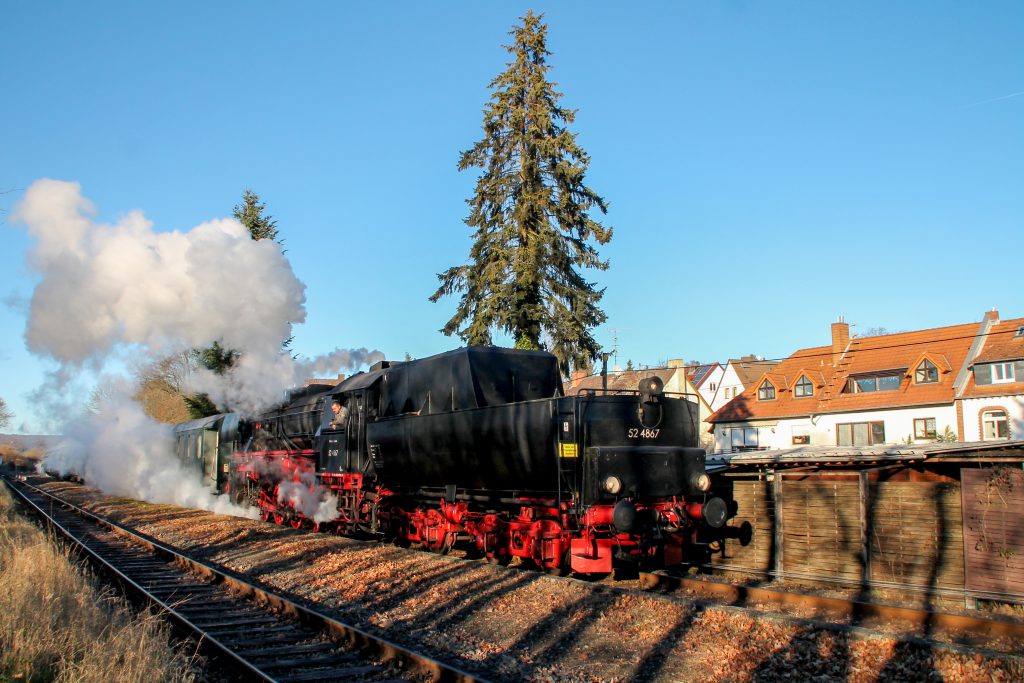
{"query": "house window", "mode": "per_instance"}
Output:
(994, 425)
(926, 373)
(743, 438)
(801, 439)
(860, 385)
(803, 387)
(712, 387)
(1002, 373)
(1019, 332)
(766, 391)
(924, 428)
(860, 433)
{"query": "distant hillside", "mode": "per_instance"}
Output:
(26, 441)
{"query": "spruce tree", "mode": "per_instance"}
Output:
(250, 214)
(530, 215)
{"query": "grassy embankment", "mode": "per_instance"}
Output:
(57, 624)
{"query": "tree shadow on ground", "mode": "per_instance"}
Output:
(811, 654)
(658, 657)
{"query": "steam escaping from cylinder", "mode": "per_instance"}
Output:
(109, 293)
(309, 499)
(299, 490)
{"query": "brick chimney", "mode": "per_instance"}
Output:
(577, 377)
(840, 338)
(992, 315)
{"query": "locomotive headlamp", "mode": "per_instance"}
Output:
(702, 482)
(650, 388)
(613, 485)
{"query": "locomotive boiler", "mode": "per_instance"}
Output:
(481, 446)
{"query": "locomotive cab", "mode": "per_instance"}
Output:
(342, 448)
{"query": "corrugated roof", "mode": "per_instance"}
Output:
(868, 455)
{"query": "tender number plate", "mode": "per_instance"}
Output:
(637, 433)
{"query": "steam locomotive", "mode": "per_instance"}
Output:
(480, 447)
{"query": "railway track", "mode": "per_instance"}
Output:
(844, 618)
(252, 633)
(958, 628)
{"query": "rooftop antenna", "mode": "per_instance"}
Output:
(615, 346)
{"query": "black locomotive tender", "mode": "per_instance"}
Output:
(478, 446)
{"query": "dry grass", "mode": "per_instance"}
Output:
(58, 625)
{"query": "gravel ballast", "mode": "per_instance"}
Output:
(514, 625)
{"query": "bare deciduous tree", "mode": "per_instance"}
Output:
(5, 414)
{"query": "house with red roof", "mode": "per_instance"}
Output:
(962, 382)
(990, 403)
(738, 374)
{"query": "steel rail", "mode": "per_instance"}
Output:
(857, 611)
(345, 634)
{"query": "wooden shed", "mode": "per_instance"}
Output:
(944, 518)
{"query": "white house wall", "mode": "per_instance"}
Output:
(899, 427)
(710, 386)
(973, 407)
(730, 380)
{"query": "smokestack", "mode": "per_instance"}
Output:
(840, 339)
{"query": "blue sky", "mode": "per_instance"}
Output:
(769, 165)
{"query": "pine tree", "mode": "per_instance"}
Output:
(533, 232)
(250, 214)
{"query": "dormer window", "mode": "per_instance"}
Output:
(766, 392)
(926, 373)
(1019, 332)
(859, 384)
(803, 387)
(1002, 372)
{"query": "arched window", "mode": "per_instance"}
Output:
(994, 425)
(926, 373)
(803, 387)
(766, 391)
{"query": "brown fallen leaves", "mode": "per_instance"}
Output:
(512, 625)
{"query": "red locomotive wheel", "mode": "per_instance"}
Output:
(278, 518)
(295, 522)
(264, 514)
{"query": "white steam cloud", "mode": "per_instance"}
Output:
(108, 286)
(107, 291)
(337, 360)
